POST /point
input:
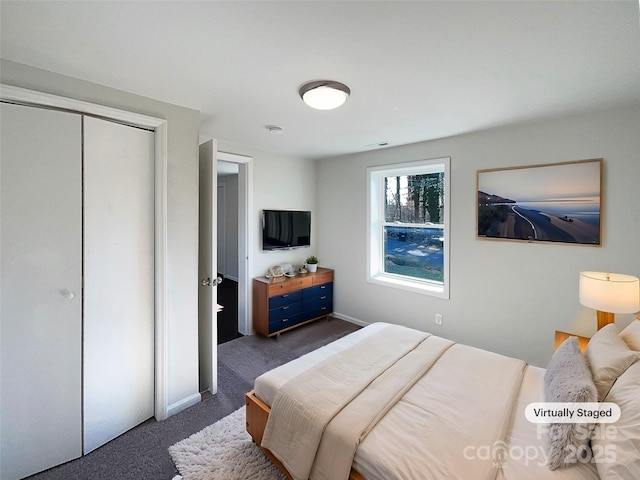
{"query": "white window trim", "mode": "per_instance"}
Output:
(375, 215)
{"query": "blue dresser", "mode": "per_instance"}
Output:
(283, 303)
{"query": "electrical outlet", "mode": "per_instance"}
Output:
(438, 319)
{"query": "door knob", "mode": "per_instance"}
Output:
(207, 282)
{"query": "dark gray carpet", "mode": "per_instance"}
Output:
(141, 453)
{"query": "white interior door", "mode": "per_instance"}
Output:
(41, 289)
(207, 270)
(118, 279)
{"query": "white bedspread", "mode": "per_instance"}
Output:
(440, 428)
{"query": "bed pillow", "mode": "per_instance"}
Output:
(631, 335)
(608, 357)
(616, 446)
(568, 379)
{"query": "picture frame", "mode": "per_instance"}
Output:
(276, 271)
(552, 202)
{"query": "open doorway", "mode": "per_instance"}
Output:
(234, 200)
(227, 247)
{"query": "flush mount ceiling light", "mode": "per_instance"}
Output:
(324, 94)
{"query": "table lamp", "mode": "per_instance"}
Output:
(609, 293)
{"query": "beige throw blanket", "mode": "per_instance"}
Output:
(306, 404)
(352, 424)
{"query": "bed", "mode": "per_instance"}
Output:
(387, 402)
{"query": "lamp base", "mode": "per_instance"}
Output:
(604, 318)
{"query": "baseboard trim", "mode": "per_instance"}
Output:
(349, 319)
(184, 403)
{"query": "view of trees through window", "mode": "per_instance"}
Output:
(413, 227)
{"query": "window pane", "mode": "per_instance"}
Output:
(414, 252)
(409, 221)
(414, 198)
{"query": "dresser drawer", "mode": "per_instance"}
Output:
(318, 311)
(284, 311)
(285, 299)
(324, 289)
(319, 301)
(325, 277)
(290, 285)
(285, 322)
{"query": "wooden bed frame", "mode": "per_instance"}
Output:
(258, 413)
(562, 336)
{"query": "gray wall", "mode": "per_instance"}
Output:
(505, 296)
(182, 241)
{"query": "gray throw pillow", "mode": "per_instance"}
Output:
(568, 379)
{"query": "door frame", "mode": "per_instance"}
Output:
(34, 98)
(245, 235)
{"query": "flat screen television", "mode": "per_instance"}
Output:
(285, 229)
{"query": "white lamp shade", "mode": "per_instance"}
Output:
(610, 292)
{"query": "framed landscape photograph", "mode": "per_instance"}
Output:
(559, 202)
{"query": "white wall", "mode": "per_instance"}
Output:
(278, 182)
(182, 222)
(507, 297)
(229, 263)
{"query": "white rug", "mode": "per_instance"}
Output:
(223, 451)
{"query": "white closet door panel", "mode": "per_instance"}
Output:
(118, 279)
(41, 289)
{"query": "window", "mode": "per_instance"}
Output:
(409, 226)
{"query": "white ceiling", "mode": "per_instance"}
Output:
(417, 70)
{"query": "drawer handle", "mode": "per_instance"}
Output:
(323, 297)
(323, 287)
(285, 320)
(286, 307)
(323, 308)
(285, 295)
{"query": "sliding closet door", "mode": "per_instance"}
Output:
(118, 279)
(41, 290)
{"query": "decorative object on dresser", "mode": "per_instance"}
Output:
(312, 263)
(609, 293)
(282, 303)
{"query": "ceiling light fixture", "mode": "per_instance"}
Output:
(324, 94)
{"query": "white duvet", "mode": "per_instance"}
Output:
(461, 418)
